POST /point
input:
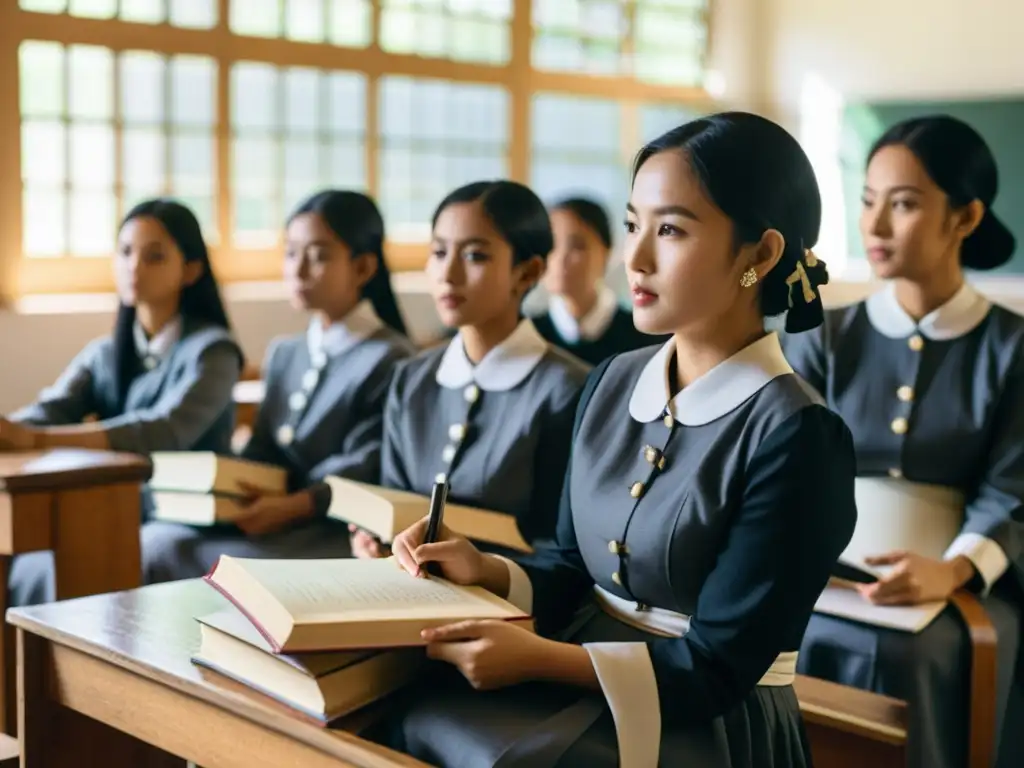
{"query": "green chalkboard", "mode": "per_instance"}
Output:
(1001, 122)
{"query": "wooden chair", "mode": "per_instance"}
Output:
(851, 728)
(982, 739)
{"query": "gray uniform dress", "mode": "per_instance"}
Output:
(322, 414)
(694, 536)
(499, 430)
(940, 402)
(180, 400)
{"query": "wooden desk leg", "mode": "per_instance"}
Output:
(96, 540)
(53, 736)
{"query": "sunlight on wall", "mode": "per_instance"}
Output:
(821, 114)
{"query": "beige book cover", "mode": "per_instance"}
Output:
(208, 472)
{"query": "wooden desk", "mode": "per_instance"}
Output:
(83, 505)
(106, 680)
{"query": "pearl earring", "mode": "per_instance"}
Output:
(748, 278)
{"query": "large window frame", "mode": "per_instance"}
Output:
(21, 275)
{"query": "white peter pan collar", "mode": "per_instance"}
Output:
(503, 368)
(153, 350)
(957, 317)
(719, 391)
(592, 325)
(358, 325)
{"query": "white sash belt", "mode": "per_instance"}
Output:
(659, 621)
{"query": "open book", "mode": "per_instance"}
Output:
(841, 599)
(316, 605)
(321, 686)
(386, 512)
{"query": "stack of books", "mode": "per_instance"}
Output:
(205, 488)
(325, 638)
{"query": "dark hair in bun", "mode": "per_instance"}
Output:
(961, 164)
(759, 176)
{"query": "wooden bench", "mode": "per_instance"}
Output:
(851, 728)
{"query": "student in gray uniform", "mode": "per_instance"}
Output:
(492, 410)
(930, 378)
(162, 382)
(323, 409)
(584, 315)
(708, 495)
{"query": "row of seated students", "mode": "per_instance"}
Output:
(687, 500)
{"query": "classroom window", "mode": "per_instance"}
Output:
(100, 132)
(294, 131)
(653, 40)
(337, 22)
(461, 30)
(577, 149)
(434, 136)
(195, 14)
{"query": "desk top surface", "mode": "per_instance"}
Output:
(64, 468)
(152, 632)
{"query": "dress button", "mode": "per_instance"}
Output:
(471, 393)
(899, 426)
(636, 490)
(669, 421)
(915, 342)
(440, 477)
(285, 434)
(896, 473)
(905, 393)
(457, 432)
(651, 454)
(297, 401)
(661, 463)
(149, 363)
(318, 359)
(616, 578)
(448, 454)
(310, 379)
(616, 547)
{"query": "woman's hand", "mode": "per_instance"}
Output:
(17, 437)
(915, 579)
(490, 654)
(365, 545)
(267, 513)
(460, 561)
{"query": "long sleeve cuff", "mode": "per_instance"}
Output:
(626, 674)
(520, 588)
(987, 556)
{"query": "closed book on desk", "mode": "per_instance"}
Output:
(386, 512)
(320, 686)
(840, 598)
(347, 604)
(208, 472)
(196, 508)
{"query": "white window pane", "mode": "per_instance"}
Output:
(301, 162)
(257, 221)
(143, 11)
(255, 164)
(345, 166)
(193, 90)
(398, 31)
(142, 87)
(43, 155)
(557, 52)
(144, 158)
(92, 223)
(44, 211)
(347, 103)
(350, 23)
(564, 14)
(302, 88)
(94, 9)
(603, 19)
(304, 20)
(396, 113)
(668, 29)
(192, 162)
(92, 82)
(92, 156)
(670, 67)
(42, 78)
(254, 96)
(44, 6)
(576, 123)
(259, 18)
(195, 14)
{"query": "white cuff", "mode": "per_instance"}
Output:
(987, 556)
(520, 588)
(626, 674)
